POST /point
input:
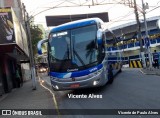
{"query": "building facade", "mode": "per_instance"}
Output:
(13, 45)
(129, 44)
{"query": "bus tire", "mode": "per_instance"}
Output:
(120, 70)
(111, 78)
(111, 81)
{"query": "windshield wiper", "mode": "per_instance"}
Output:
(66, 55)
(79, 58)
(64, 59)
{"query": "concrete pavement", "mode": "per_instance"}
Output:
(26, 98)
(130, 90)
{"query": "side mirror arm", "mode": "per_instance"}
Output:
(39, 45)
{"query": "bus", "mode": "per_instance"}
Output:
(76, 55)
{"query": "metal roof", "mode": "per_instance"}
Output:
(129, 30)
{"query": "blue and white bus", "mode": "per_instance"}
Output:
(76, 55)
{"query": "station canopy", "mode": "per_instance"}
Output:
(61, 19)
(130, 31)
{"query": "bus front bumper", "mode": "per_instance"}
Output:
(94, 80)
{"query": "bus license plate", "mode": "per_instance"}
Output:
(74, 85)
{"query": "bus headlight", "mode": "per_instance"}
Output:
(95, 83)
(56, 87)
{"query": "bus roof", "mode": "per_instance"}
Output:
(76, 24)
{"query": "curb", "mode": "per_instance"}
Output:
(158, 74)
(147, 73)
(3, 96)
(150, 73)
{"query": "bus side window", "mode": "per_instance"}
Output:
(103, 43)
(104, 40)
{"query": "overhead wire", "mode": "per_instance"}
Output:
(133, 13)
(76, 5)
(46, 10)
(154, 9)
(84, 4)
(111, 6)
(120, 19)
(72, 2)
(33, 11)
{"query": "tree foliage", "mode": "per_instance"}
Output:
(36, 35)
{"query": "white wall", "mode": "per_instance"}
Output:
(1, 3)
(26, 72)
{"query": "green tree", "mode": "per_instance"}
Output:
(36, 35)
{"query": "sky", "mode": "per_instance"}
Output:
(119, 13)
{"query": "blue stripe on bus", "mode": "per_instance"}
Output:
(77, 73)
(75, 24)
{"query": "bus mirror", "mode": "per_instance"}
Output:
(99, 36)
(39, 45)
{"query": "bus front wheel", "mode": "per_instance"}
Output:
(111, 78)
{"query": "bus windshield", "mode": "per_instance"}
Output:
(73, 50)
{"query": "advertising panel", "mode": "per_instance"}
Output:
(17, 29)
(6, 26)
